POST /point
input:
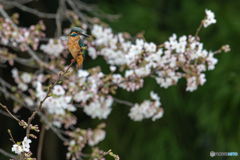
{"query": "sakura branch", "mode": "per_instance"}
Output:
(130, 60)
(109, 152)
(11, 115)
(61, 74)
(30, 10)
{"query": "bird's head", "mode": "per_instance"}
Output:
(77, 31)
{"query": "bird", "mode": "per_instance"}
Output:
(75, 43)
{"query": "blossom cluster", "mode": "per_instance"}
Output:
(17, 148)
(167, 63)
(54, 48)
(58, 105)
(81, 137)
(147, 109)
(5, 55)
(21, 36)
(209, 18)
(22, 81)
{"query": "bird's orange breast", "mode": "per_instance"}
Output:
(73, 45)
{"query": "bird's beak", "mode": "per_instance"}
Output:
(84, 34)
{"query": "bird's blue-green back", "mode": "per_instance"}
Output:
(81, 44)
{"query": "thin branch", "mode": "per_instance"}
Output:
(11, 136)
(9, 86)
(47, 95)
(75, 9)
(30, 10)
(11, 96)
(25, 62)
(19, 1)
(10, 113)
(40, 143)
(217, 51)
(104, 154)
(55, 130)
(4, 83)
(6, 114)
(8, 154)
(94, 10)
(196, 34)
(123, 102)
(59, 20)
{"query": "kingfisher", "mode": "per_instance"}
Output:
(75, 43)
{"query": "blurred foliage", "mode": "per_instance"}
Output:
(194, 123)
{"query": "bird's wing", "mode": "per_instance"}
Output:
(80, 42)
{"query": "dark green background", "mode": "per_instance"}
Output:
(194, 123)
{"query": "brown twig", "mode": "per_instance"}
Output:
(47, 95)
(6, 114)
(217, 51)
(123, 102)
(10, 113)
(196, 34)
(59, 20)
(104, 154)
(11, 136)
(200, 26)
(40, 144)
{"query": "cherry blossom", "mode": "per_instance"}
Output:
(17, 149)
(147, 109)
(210, 18)
(58, 90)
(22, 86)
(26, 144)
(96, 136)
(29, 101)
(53, 48)
(92, 52)
(26, 77)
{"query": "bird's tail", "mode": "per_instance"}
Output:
(79, 60)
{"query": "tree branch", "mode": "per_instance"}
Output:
(55, 130)
(6, 114)
(123, 102)
(60, 75)
(10, 113)
(75, 9)
(40, 144)
(8, 154)
(29, 10)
